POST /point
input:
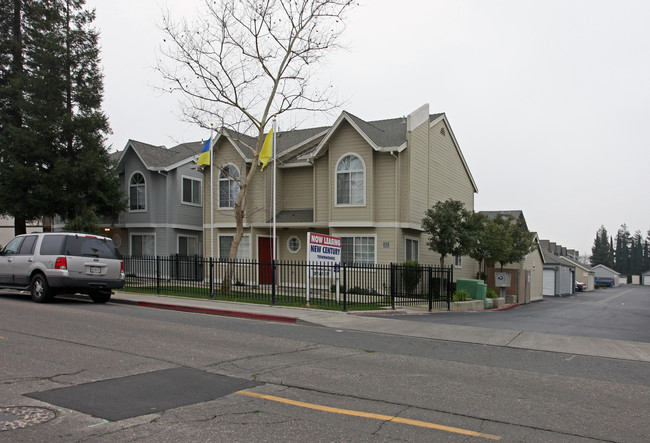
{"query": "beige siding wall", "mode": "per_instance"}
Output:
(385, 175)
(348, 141)
(258, 197)
(534, 263)
(297, 188)
(418, 146)
(447, 174)
(323, 189)
(403, 159)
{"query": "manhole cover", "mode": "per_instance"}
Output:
(16, 417)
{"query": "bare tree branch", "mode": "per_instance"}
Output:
(245, 61)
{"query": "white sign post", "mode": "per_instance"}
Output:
(323, 255)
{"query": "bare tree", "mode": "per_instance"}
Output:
(246, 60)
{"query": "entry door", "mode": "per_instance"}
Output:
(265, 255)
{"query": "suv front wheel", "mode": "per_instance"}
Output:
(40, 289)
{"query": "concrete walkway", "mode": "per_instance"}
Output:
(624, 350)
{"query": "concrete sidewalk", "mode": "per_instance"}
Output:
(624, 350)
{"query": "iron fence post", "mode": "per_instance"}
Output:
(272, 282)
(157, 275)
(211, 277)
(345, 288)
(392, 286)
(430, 289)
(449, 292)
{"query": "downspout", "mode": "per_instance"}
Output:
(397, 204)
(167, 234)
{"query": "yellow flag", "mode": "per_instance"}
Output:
(267, 149)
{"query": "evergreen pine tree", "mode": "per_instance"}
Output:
(54, 159)
(601, 251)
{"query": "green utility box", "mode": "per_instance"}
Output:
(475, 288)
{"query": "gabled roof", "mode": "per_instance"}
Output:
(159, 158)
(382, 135)
(552, 259)
(577, 264)
(300, 146)
(287, 142)
(605, 267)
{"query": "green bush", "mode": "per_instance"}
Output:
(491, 293)
(461, 296)
(362, 291)
(411, 274)
(356, 290)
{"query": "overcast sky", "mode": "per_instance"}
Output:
(549, 100)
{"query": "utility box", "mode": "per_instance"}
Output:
(475, 288)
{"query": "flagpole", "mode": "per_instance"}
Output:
(211, 195)
(275, 157)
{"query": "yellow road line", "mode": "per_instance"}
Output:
(421, 424)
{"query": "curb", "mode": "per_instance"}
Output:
(210, 311)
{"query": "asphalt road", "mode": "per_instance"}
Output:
(194, 377)
(621, 313)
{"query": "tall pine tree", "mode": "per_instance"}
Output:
(601, 251)
(58, 142)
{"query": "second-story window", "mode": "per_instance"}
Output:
(191, 191)
(350, 181)
(137, 192)
(228, 186)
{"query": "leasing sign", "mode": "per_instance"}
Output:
(324, 252)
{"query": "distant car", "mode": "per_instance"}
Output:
(47, 264)
(580, 286)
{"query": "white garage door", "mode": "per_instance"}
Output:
(646, 280)
(549, 282)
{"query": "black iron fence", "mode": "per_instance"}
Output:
(292, 282)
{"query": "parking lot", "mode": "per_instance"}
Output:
(621, 313)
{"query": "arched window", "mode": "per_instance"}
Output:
(350, 181)
(137, 193)
(228, 186)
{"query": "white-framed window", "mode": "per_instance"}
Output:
(458, 261)
(293, 244)
(191, 191)
(412, 249)
(137, 192)
(228, 186)
(188, 245)
(143, 245)
(350, 181)
(358, 250)
(243, 252)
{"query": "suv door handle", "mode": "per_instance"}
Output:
(30, 259)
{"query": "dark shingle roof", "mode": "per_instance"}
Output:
(159, 157)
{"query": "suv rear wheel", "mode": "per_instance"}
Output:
(40, 289)
(100, 296)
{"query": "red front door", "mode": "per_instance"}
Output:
(265, 255)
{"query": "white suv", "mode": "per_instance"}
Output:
(54, 263)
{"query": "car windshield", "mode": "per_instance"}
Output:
(91, 247)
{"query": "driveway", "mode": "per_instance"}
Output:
(621, 313)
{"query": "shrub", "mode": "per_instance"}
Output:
(491, 293)
(461, 296)
(362, 291)
(411, 275)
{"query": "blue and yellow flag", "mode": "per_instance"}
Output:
(204, 156)
(267, 149)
